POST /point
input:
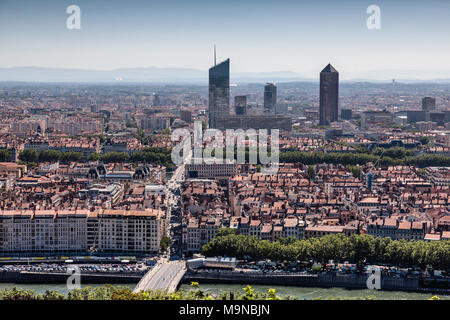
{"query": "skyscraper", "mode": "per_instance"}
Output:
(156, 101)
(219, 91)
(329, 95)
(240, 105)
(428, 104)
(270, 98)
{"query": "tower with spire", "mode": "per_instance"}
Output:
(329, 95)
(219, 90)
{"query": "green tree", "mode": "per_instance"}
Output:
(50, 156)
(29, 155)
(71, 156)
(311, 172)
(5, 155)
(165, 243)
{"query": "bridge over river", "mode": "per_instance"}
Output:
(164, 275)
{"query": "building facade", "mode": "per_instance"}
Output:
(244, 122)
(428, 103)
(81, 231)
(240, 105)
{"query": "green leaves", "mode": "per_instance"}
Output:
(5, 155)
(392, 156)
(165, 243)
(31, 155)
(356, 248)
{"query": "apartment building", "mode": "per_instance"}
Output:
(10, 168)
(81, 231)
(396, 230)
(204, 170)
(293, 227)
(43, 231)
(191, 236)
(129, 231)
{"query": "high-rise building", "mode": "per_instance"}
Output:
(375, 118)
(428, 103)
(270, 98)
(219, 91)
(156, 100)
(414, 116)
(346, 114)
(186, 115)
(258, 121)
(329, 95)
(240, 105)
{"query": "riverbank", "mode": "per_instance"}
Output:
(327, 280)
(300, 293)
(61, 288)
(308, 293)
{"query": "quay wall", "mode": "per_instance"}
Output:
(26, 277)
(350, 281)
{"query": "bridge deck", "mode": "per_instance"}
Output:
(164, 276)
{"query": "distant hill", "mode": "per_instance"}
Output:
(187, 75)
(148, 74)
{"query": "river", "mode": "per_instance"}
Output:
(299, 292)
(311, 293)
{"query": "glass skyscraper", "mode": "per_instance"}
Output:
(219, 91)
(329, 95)
(270, 98)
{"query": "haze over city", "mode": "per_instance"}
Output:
(258, 36)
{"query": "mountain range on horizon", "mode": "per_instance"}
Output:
(190, 75)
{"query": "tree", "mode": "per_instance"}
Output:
(356, 171)
(29, 155)
(5, 155)
(165, 243)
(361, 249)
(311, 172)
(50, 155)
(71, 156)
(424, 140)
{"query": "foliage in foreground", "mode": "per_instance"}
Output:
(109, 292)
(124, 293)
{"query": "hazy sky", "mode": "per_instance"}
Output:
(257, 35)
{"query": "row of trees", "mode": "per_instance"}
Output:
(317, 157)
(158, 156)
(154, 155)
(357, 248)
(162, 156)
(5, 155)
(31, 155)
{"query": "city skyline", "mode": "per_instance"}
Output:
(270, 37)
